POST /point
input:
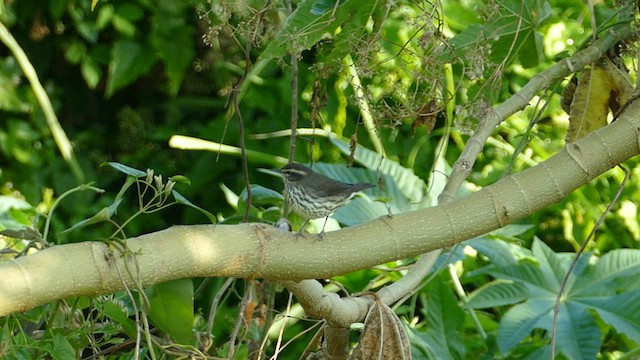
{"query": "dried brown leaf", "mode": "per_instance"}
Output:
(590, 105)
(383, 337)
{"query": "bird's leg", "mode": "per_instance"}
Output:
(301, 231)
(322, 232)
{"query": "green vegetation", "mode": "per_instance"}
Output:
(93, 95)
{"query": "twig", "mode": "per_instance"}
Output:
(579, 60)
(556, 309)
(294, 96)
(59, 136)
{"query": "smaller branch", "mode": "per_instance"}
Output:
(363, 104)
(248, 294)
(236, 106)
(243, 156)
(282, 327)
(342, 312)
(294, 96)
(459, 289)
(338, 312)
(518, 101)
(214, 309)
(59, 136)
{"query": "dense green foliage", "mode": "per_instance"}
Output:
(128, 75)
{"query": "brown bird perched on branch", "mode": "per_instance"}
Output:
(312, 195)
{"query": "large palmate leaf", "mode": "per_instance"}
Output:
(607, 286)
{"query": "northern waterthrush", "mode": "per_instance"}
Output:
(314, 196)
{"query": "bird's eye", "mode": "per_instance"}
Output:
(293, 175)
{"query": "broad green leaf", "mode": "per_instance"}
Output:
(184, 201)
(444, 318)
(460, 14)
(552, 268)
(62, 348)
(608, 287)
(413, 187)
(578, 332)
(129, 61)
(521, 319)
(130, 11)
(621, 311)
(360, 210)
(119, 315)
(615, 271)
(174, 40)
(15, 214)
(127, 170)
(499, 252)
(420, 347)
(261, 195)
(498, 293)
(172, 308)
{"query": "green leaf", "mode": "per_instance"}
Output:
(353, 33)
(184, 201)
(304, 27)
(498, 293)
(177, 54)
(261, 195)
(91, 72)
(232, 198)
(130, 11)
(411, 186)
(119, 315)
(521, 319)
(621, 311)
(127, 170)
(444, 318)
(62, 349)
(615, 271)
(174, 40)
(103, 215)
(313, 20)
(172, 308)
(500, 253)
(75, 52)
(129, 61)
(511, 33)
(360, 210)
(15, 214)
(180, 179)
(608, 287)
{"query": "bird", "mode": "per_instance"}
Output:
(312, 195)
